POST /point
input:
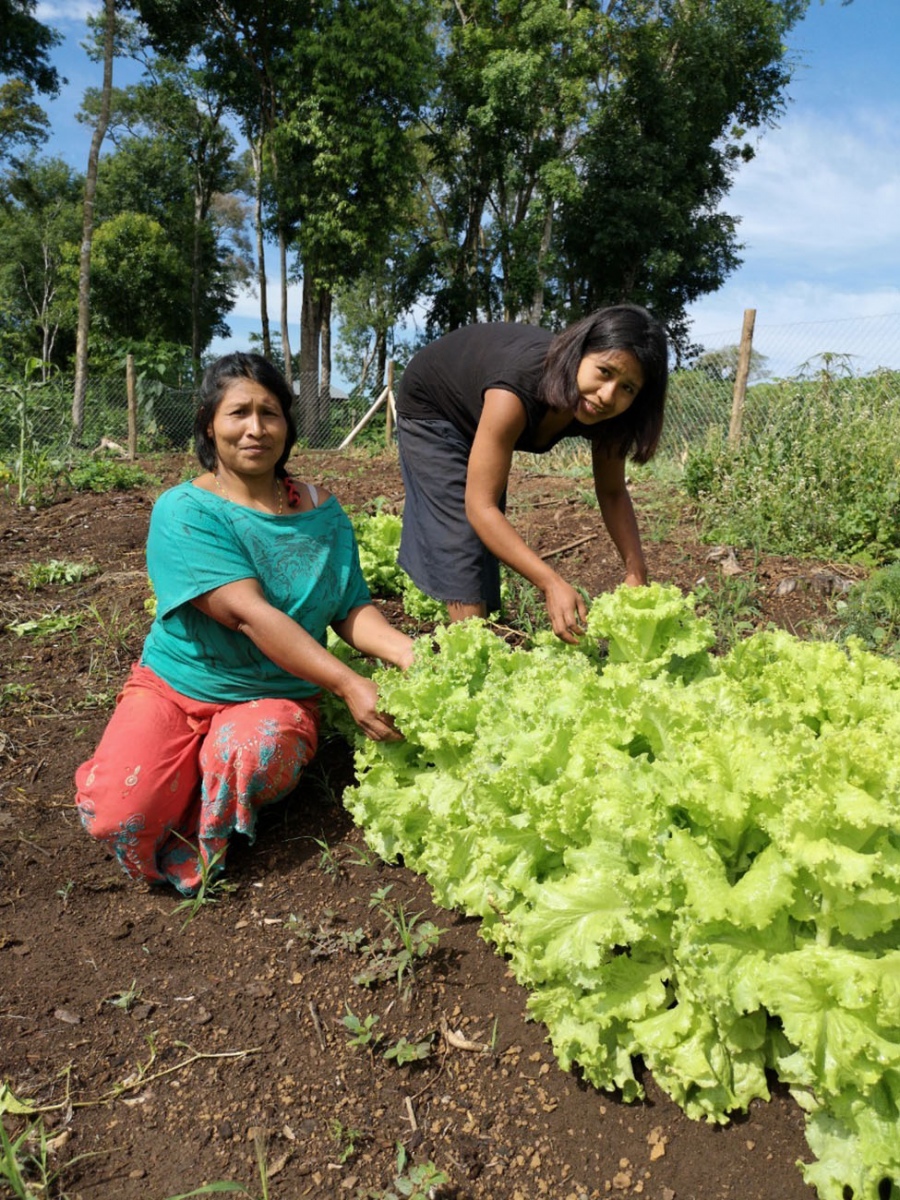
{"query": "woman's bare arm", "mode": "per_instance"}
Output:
(502, 422)
(242, 606)
(618, 512)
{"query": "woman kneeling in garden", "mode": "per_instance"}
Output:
(220, 716)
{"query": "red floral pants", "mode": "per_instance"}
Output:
(172, 777)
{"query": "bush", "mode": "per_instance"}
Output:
(871, 612)
(815, 475)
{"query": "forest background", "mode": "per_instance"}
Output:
(456, 162)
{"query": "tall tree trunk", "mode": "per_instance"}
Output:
(196, 249)
(285, 331)
(310, 327)
(256, 153)
(323, 406)
(537, 300)
(87, 234)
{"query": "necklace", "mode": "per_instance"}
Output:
(279, 494)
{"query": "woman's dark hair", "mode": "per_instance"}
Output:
(620, 327)
(217, 378)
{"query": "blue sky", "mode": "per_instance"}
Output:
(819, 204)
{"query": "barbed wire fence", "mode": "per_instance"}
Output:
(36, 418)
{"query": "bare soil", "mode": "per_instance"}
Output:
(173, 1050)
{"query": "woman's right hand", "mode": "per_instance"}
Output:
(566, 610)
(361, 697)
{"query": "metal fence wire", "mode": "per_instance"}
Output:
(36, 418)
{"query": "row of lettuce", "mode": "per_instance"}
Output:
(690, 859)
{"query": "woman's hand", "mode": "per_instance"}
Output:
(566, 610)
(361, 698)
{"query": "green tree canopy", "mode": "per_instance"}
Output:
(40, 225)
(26, 45)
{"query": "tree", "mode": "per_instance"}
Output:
(87, 236)
(348, 161)
(40, 222)
(721, 365)
(184, 120)
(244, 47)
(26, 45)
(501, 137)
(578, 150)
(140, 290)
(661, 148)
(22, 120)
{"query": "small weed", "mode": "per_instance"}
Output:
(329, 863)
(523, 605)
(57, 571)
(115, 629)
(91, 701)
(125, 1000)
(13, 694)
(411, 1182)
(212, 886)
(403, 1051)
(348, 1140)
(871, 612)
(25, 1162)
(65, 892)
(416, 939)
(361, 1033)
(732, 604)
(211, 1189)
(361, 857)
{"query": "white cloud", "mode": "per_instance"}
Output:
(823, 191)
(820, 219)
(52, 12)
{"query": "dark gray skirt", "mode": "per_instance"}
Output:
(439, 549)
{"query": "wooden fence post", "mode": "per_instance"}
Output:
(131, 393)
(389, 414)
(741, 375)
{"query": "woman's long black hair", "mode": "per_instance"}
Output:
(217, 378)
(620, 327)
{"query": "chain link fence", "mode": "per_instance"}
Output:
(701, 398)
(36, 419)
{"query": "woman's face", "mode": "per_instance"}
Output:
(249, 429)
(608, 382)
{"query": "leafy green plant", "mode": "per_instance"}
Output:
(404, 1051)
(871, 612)
(688, 857)
(107, 475)
(412, 1181)
(57, 571)
(361, 1032)
(48, 625)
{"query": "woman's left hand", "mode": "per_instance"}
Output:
(361, 697)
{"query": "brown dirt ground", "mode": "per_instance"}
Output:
(234, 1036)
